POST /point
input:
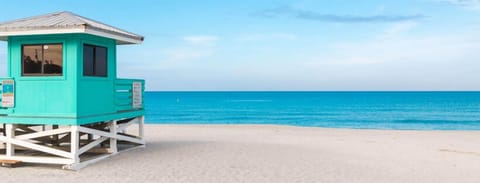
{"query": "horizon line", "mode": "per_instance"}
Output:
(312, 91)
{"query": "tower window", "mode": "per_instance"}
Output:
(42, 60)
(94, 61)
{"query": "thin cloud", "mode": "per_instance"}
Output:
(268, 37)
(461, 2)
(287, 11)
(203, 40)
(197, 47)
(397, 29)
(187, 54)
(469, 4)
(393, 47)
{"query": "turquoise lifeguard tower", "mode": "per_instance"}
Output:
(62, 102)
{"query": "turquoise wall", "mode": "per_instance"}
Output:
(96, 94)
(68, 99)
(44, 95)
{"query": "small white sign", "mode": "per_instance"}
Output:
(137, 95)
(8, 93)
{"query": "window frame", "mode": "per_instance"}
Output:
(22, 65)
(94, 75)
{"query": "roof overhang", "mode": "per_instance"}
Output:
(65, 23)
(121, 39)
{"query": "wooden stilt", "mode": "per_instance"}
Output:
(113, 141)
(10, 134)
(74, 144)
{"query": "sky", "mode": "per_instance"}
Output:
(292, 45)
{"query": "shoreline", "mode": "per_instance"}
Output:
(273, 153)
(298, 126)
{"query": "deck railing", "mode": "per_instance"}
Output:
(129, 94)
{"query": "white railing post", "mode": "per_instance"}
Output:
(10, 133)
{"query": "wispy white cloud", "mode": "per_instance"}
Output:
(200, 39)
(268, 37)
(469, 4)
(398, 29)
(388, 45)
(461, 2)
(193, 48)
(188, 53)
(403, 61)
(158, 57)
(189, 49)
(394, 46)
(288, 11)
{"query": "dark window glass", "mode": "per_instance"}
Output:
(94, 61)
(88, 53)
(101, 61)
(42, 59)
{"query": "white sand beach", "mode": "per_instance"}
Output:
(246, 153)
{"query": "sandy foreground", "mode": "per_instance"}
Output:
(246, 153)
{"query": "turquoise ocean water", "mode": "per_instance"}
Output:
(370, 110)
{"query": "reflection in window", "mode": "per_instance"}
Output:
(42, 59)
(94, 61)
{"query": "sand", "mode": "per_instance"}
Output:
(246, 153)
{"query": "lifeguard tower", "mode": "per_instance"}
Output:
(62, 102)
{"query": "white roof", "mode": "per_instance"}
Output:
(65, 22)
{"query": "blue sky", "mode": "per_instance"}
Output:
(288, 45)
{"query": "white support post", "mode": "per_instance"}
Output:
(74, 144)
(10, 134)
(113, 141)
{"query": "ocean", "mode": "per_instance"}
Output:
(357, 110)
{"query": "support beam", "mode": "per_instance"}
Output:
(26, 129)
(33, 146)
(91, 145)
(122, 127)
(113, 141)
(106, 134)
(49, 144)
(43, 133)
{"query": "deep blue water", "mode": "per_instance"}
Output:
(372, 110)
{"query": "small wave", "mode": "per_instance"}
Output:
(437, 121)
(248, 100)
